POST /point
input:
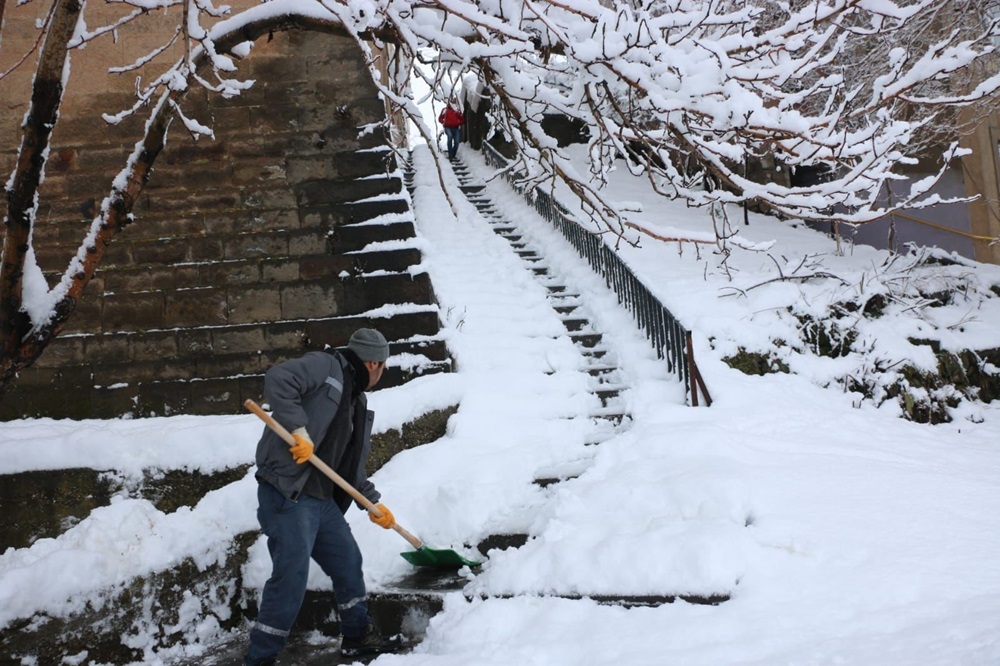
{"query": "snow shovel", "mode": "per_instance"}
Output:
(422, 556)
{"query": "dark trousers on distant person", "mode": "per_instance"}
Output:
(454, 136)
(297, 531)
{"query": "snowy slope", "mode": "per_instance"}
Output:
(842, 533)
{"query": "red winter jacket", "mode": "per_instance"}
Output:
(451, 118)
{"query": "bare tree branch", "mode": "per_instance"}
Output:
(17, 348)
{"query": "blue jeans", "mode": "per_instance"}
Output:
(295, 532)
(454, 135)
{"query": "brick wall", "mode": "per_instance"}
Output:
(246, 249)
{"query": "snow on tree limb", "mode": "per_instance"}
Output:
(22, 188)
(690, 91)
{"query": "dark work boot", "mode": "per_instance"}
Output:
(371, 643)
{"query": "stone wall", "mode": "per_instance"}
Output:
(44, 504)
(247, 249)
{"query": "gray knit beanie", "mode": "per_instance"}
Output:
(369, 345)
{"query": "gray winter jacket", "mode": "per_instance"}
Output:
(306, 392)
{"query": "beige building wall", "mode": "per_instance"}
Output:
(90, 92)
(981, 171)
(89, 82)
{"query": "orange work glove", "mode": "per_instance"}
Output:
(303, 447)
(385, 521)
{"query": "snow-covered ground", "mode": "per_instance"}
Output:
(842, 533)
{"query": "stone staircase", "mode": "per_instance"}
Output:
(566, 301)
(287, 232)
(407, 605)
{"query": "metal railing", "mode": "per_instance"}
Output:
(669, 338)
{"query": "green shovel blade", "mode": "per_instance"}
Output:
(433, 557)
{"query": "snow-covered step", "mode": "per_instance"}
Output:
(575, 323)
(565, 301)
(553, 474)
(599, 366)
(586, 339)
(597, 351)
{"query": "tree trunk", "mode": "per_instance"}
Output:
(18, 348)
(22, 341)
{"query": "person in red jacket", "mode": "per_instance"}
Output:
(452, 119)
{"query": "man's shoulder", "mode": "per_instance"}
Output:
(331, 360)
(317, 354)
(318, 362)
(319, 359)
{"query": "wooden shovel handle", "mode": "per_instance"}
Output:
(326, 469)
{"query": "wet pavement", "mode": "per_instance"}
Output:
(303, 649)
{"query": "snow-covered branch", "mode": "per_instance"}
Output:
(713, 85)
(690, 91)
